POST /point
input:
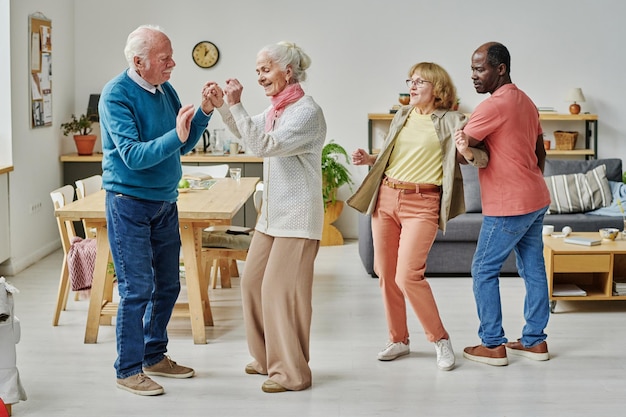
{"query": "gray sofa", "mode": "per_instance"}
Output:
(452, 253)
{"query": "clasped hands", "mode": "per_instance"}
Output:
(212, 97)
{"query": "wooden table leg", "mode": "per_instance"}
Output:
(98, 285)
(194, 292)
(64, 280)
(63, 291)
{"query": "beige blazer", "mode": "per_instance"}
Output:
(446, 123)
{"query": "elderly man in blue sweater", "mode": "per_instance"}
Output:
(145, 130)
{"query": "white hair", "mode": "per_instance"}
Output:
(288, 54)
(138, 44)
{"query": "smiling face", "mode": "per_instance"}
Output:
(422, 94)
(158, 66)
(270, 76)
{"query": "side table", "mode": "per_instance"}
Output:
(591, 268)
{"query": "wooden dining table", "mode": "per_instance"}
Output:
(197, 209)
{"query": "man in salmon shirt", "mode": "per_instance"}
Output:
(514, 200)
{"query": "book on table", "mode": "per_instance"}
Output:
(585, 241)
(568, 290)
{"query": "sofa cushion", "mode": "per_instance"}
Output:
(462, 228)
(471, 189)
(618, 205)
(579, 193)
(570, 166)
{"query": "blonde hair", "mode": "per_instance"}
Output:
(286, 54)
(443, 87)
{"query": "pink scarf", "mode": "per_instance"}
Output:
(290, 94)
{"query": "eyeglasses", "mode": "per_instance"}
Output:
(416, 83)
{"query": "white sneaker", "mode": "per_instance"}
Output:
(393, 351)
(445, 355)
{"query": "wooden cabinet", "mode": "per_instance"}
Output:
(591, 268)
(76, 167)
(548, 120)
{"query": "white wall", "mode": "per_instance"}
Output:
(36, 152)
(361, 53)
(5, 86)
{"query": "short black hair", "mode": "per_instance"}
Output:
(498, 54)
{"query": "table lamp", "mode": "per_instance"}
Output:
(575, 95)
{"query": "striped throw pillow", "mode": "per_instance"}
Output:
(579, 193)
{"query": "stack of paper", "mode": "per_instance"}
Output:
(619, 286)
(567, 290)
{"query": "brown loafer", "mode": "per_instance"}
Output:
(271, 387)
(491, 356)
(537, 353)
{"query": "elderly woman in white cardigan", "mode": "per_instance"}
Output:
(278, 277)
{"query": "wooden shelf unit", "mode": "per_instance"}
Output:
(591, 131)
(592, 268)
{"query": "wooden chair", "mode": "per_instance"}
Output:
(85, 187)
(60, 197)
(224, 260)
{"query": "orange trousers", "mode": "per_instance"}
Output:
(404, 227)
(277, 291)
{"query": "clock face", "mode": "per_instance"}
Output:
(205, 54)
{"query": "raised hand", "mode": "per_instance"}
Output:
(361, 157)
(233, 91)
(183, 122)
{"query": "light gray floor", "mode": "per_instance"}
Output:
(585, 377)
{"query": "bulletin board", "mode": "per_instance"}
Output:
(40, 34)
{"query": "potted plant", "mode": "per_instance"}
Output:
(335, 174)
(81, 130)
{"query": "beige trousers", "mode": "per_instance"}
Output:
(276, 288)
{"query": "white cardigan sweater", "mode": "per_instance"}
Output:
(292, 166)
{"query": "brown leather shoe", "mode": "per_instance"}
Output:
(491, 356)
(140, 384)
(537, 353)
(272, 387)
(169, 368)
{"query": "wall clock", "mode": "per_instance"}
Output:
(205, 54)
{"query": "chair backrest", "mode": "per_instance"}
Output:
(88, 186)
(215, 171)
(60, 197)
(257, 197)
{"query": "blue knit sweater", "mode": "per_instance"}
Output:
(141, 149)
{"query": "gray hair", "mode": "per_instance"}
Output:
(288, 54)
(138, 44)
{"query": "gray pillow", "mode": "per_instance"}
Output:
(471, 188)
(579, 193)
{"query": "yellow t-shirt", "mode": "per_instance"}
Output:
(416, 156)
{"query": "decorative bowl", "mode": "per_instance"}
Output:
(609, 233)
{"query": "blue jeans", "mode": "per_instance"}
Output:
(498, 237)
(145, 246)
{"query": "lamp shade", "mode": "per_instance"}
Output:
(575, 95)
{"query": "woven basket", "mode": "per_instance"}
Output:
(565, 141)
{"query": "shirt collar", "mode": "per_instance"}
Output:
(143, 83)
